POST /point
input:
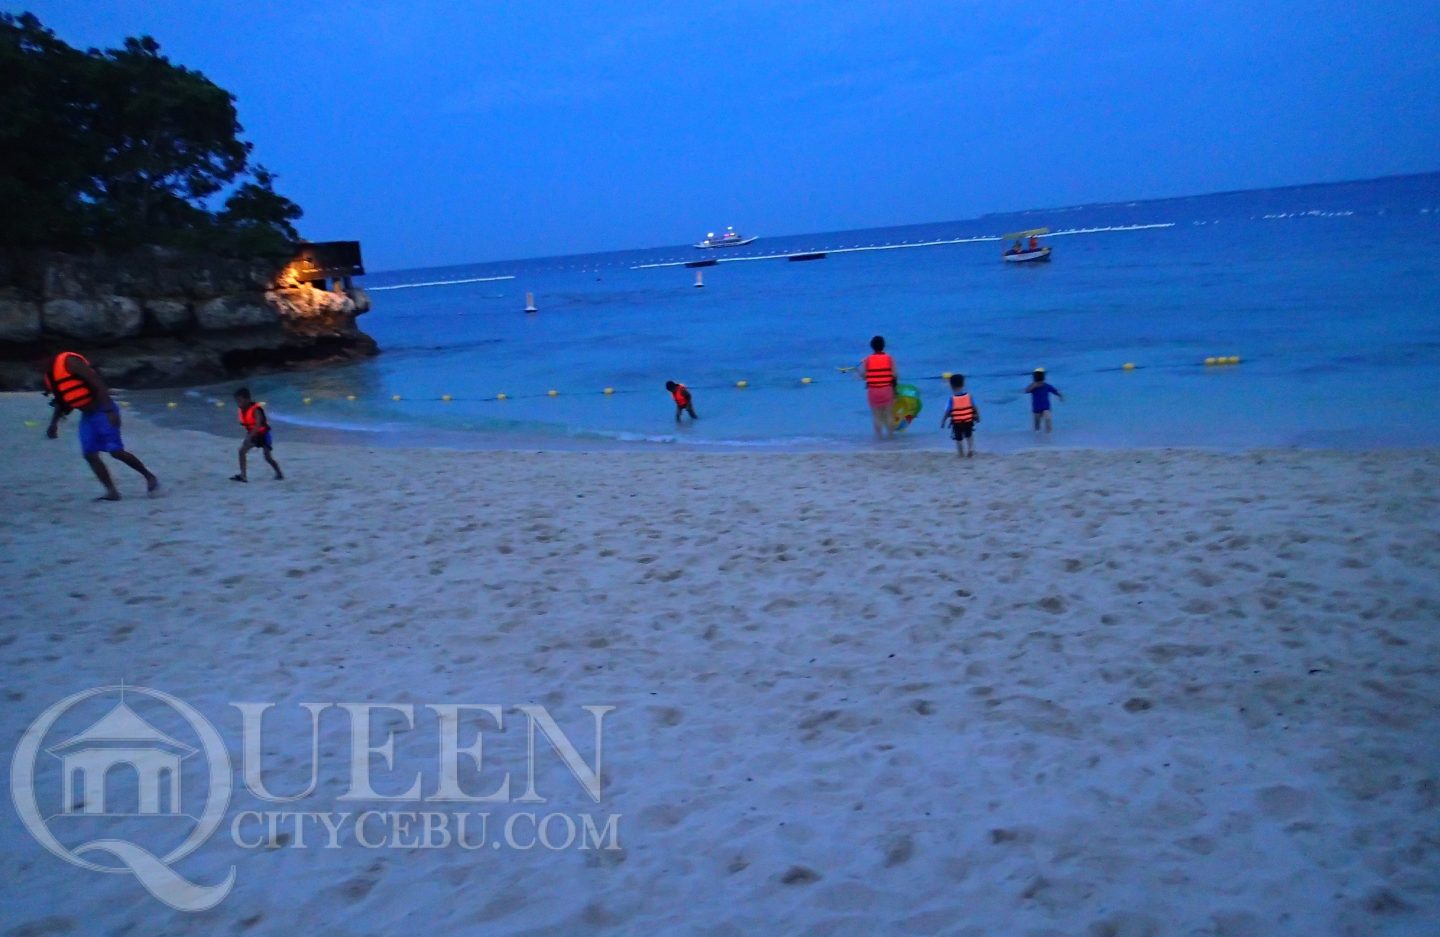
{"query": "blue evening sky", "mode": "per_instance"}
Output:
(447, 132)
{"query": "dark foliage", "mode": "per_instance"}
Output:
(117, 147)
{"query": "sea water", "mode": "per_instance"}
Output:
(1330, 296)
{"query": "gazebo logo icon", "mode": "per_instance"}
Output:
(123, 761)
(119, 740)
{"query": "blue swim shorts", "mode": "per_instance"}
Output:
(97, 435)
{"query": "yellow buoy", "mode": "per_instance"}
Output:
(1211, 360)
(306, 401)
(172, 405)
(219, 404)
(804, 380)
(350, 397)
(945, 375)
(32, 423)
(446, 397)
(552, 392)
(394, 396)
(1233, 359)
(742, 383)
(502, 396)
(609, 391)
(1129, 365)
(124, 403)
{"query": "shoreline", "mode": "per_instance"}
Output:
(219, 423)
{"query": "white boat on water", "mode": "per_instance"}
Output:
(730, 238)
(1021, 252)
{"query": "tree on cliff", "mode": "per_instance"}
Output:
(119, 147)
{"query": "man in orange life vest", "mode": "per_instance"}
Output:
(73, 383)
(961, 415)
(684, 400)
(881, 379)
(257, 433)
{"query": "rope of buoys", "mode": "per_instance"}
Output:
(739, 384)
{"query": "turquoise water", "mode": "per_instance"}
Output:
(1330, 294)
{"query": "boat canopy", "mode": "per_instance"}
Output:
(1032, 233)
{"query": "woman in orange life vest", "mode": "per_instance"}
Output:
(73, 383)
(881, 378)
(962, 415)
(257, 433)
(684, 400)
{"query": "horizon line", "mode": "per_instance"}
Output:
(915, 224)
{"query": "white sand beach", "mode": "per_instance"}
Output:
(1099, 693)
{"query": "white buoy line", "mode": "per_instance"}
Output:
(895, 247)
(411, 286)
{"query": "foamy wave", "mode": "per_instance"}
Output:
(312, 423)
(783, 442)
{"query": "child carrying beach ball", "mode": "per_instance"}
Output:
(961, 415)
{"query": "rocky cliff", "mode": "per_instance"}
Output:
(161, 317)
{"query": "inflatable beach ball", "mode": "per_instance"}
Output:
(906, 406)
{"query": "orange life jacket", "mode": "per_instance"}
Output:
(250, 421)
(681, 395)
(879, 370)
(72, 392)
(961, 409)
(1034, 244)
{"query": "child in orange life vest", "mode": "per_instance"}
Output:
(257, 433)
(962, 415)
(684, 400)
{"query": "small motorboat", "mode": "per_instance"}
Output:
(1021, 252)
(730, 238)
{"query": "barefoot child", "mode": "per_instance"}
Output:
(881, 379)
(75, 385)
(1040, 392)
(684, 400)
(961, 415)
(257, 433)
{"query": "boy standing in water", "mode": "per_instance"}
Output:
(684, 400)
(75, 385)
(1040, 392)
(962, 415)
(257, 433)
